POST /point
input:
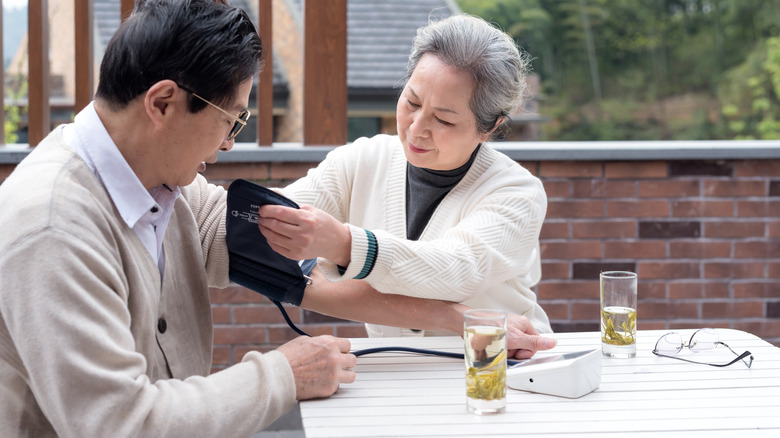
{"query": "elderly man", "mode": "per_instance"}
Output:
(111, 240)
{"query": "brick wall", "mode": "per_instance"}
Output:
(704, 237)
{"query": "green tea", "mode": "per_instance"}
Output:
(485, 363)
(618, 325)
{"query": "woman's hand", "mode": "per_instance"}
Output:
(523, 341)
(305, 233)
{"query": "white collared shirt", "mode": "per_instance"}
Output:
(145, 211)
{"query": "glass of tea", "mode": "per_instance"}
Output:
(485, 345)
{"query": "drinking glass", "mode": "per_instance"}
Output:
(618, 314)
(485, 345)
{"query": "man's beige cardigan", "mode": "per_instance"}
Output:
(81, 354)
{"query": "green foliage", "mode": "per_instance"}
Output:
(13, 114)
(647, 53)
(750, 94)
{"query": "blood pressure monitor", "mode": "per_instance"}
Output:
(569, 375)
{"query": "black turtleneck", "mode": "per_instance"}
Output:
(425, 188)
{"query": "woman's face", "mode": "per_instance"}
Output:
(435, 124)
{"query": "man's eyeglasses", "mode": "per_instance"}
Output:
(238, 124)
(706, 339)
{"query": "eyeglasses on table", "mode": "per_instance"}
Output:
(671, 344)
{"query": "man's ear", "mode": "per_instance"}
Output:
(161, 100)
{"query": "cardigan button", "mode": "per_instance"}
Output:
(162, 325)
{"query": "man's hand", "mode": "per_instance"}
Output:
(305, 233)
(319, 365)
(523, 341)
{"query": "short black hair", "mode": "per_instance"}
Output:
(204, 45)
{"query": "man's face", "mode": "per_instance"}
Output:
(201, 136)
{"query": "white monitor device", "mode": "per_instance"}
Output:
(569, 375)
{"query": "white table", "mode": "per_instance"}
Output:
(403, 395)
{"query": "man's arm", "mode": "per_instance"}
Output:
(356, 300)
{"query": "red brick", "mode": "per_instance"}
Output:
(634, 249)
(554, 270)
(555, 310)
(620, 209)
(734, 269)
(732, 309)
(636, 169)
(667, 310)
(757, 249)
(604, 229)
(584, 310)
(644, 324)
(352, 331)
(734, 229)
(265, 314)
(221, 356)
(773, 270)
(584, 249)
(758, 208)
(668, 188)
(571, 169)
(649, 270)
(575, 209)
(221, 314)
(756, 168)
(562, 290)
(281, 335)
(231, 171)
(762, 329)
(319, 329)
(757, 289)
(557, 189)
(703, 208)
(289, 170)
(226, 335)
(236, 295)
(730, 188)
(5, 171)
(773, 229)
(651, 289)
(699, 249)
(680, 290)
(552, 229)
(531, 166)
(599, 188)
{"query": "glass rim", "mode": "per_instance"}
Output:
(618, 274)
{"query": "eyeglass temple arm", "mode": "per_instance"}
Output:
(737, 359)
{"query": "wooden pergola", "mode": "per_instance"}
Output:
(325, 69)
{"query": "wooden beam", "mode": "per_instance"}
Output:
(84, 55)
(325, 73)
(39, 114)
(265, 86)
(2, 81)
(126, 7)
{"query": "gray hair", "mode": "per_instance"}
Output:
(470, 44)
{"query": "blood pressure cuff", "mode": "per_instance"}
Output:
(253, 264)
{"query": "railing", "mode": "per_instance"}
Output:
(325, 69)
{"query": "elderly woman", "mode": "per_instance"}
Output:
(407, 226)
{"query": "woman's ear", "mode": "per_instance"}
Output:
(499, 121)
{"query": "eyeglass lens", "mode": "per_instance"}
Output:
(707, 339)
(238, 126)
(701, 340)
